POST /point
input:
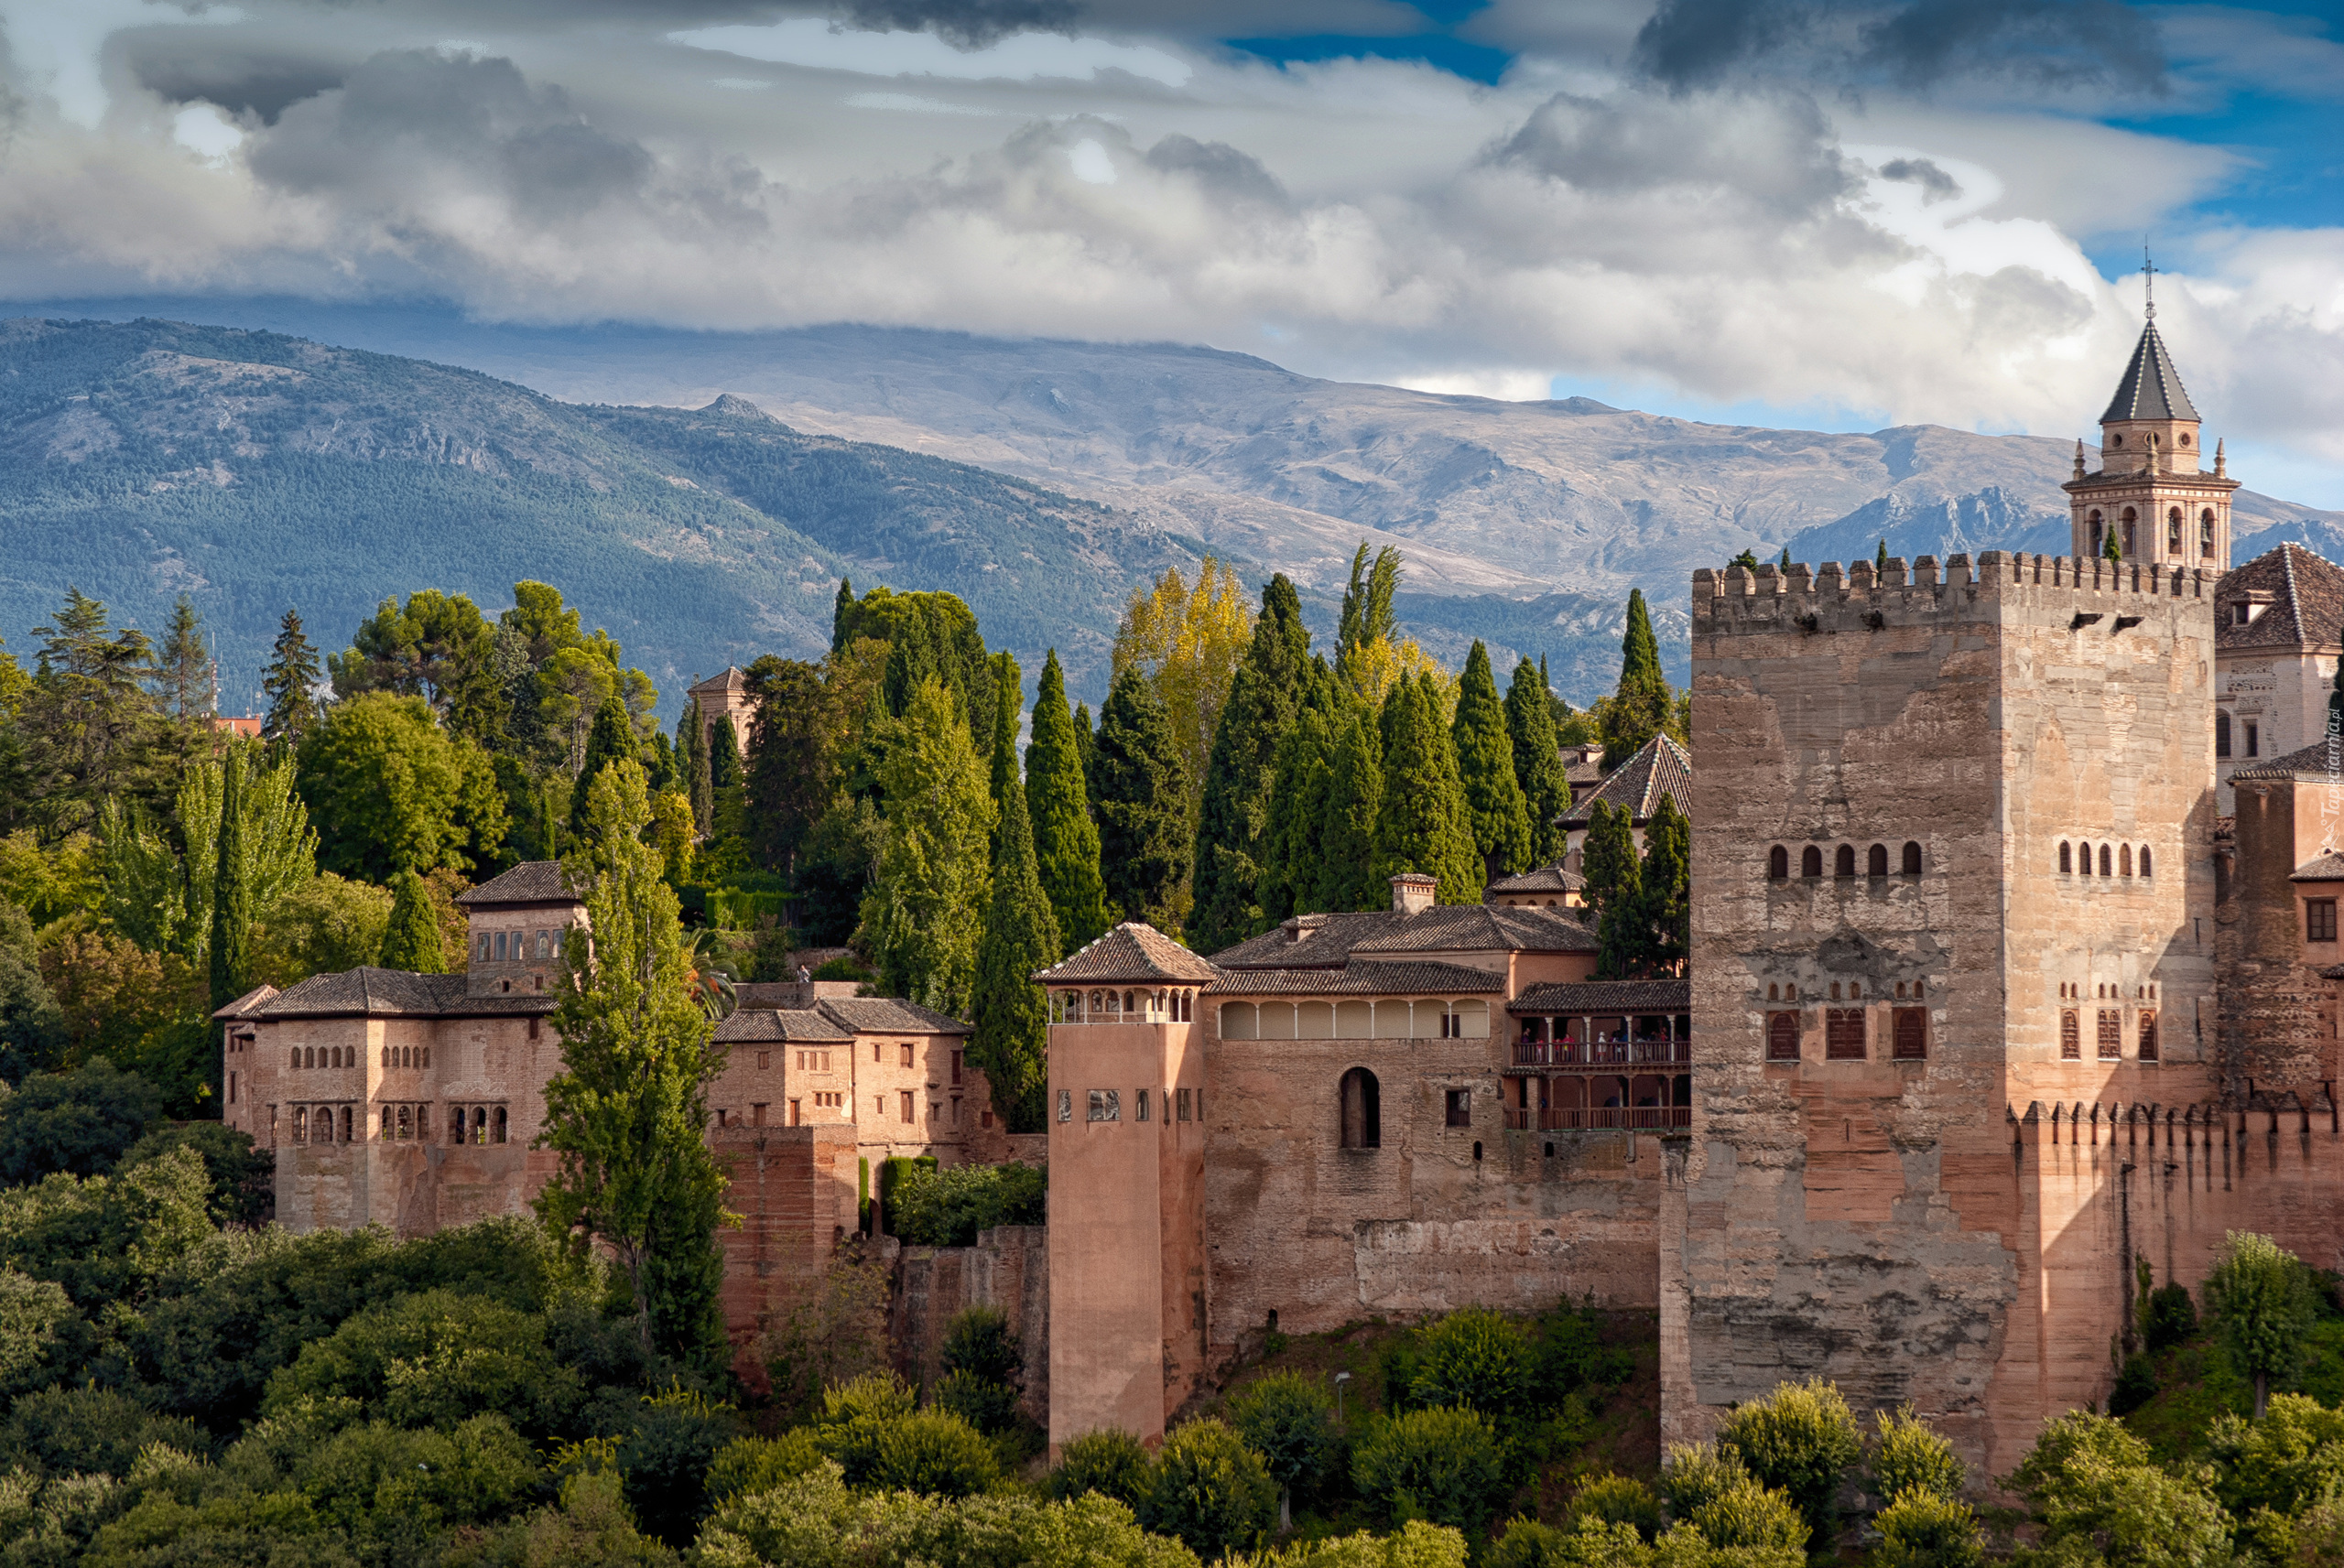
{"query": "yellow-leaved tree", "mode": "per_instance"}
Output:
(1187, 639)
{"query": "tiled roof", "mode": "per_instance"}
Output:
(887, 1015)
(1660, 767)
(2306, 598)
(247, 1004)
(780, 1024)
(731, 680)
(1589, 997)
(1543, 878)
(1130, 951)
(1327, 941)
(2152, 388)
(1364, 978)
(2312, 761)
(2327, 868)
(394, 993)
(531, 881)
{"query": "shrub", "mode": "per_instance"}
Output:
(877, 1396)
(2283, 1462)
(1752, 1517)
(760, 1464)
(1907, 1456)
(1800, 1438)
(1618, 1500)
(2170, 1318)
(1287, 1419)
(1473, 1359)
(1570, 1355)
(80, 1123)
(1210, 1489)
(930, 1207)
(931, 1451)
(1445, 1464)
(1695, 1475)
(2136, 1385)
(977, 1340)
(93, 1431)
(1928, 1530)
(665, 1458)
(436, 1358)
(1110, 1462)
(989, 1406)
(842, 968)
(2099, 1496)
(1415, 1544)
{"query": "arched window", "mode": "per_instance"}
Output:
(1912, 858)
(2131, 519)
(2104, 863)
(1912, 1042)
(480, 1125)
(1774, 993)
(2124, 859)
(1127, 1002)
(2144, 859)
(386, 1123)
(455, 1124)
(1781, 1037)
(427, 1055)
(345, 1124)
(2086, 851)
(545, 944)
(1810, 862)
(1362, 1110)
(2071, 1040)
(2148, 1037)
(2172, 532)
(2099, 534)
(406, 1122)
(496, 1128)
(2205, 532)
(1843, 864)
(2066, 855)
(1778, 863)
(483, 946)
(300, 1124)
(1876, 861)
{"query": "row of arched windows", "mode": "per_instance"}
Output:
(486, 1124)
(1119, 1006)
(2128, 526)
(323, 1056)
(1913, 991)
(318, 1124)
(406, 1056)
(1843, 861)
(493, 947)
(2115, 860)
(1847, 1032)
(410, 1122)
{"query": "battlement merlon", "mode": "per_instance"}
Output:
(1865, 598)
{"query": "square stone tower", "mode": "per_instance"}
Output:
(1951, 858)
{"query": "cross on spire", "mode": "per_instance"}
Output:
(2149, 275)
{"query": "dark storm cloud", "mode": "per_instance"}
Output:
(1771, 153)
(969, 24)
(183, 66)
(1218, 167)
(1706, 43)
(1935, 183)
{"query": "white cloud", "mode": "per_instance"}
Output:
(205, 131)
(1091, 163)
(906, 103)
(812, 42)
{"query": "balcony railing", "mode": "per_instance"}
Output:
(1591, 1118)
(1656, 1053)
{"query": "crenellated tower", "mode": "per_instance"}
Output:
(2151, 492)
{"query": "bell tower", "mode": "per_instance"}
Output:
(2152, 495)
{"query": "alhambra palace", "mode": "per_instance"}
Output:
(2014, 966)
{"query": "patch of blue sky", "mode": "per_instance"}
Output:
(1437, 44)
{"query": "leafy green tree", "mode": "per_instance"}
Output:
(2261, 1297)
(929, 636)
(1924, 1528)
(436, 646)
(1423, 824)
(1291, 871)
(1065, 840)
(923, 913)
(1664, 894)
(164, 896)
(184, 673)
(1879, 560)
(1287, 1419)
(1137, 788)
(1109, 1462)
(624, 1115)
(792, 766)
(1494, 798)
(321, 926)
(1695, 1475)
(1908, 1455)
(932, 1451)
(842, 615)
(724, 770)
(436, 1357)
(1538, 764)
(1475, 1360)
(1801, 1438)
(240, 1176)
(1234, 817)
(393, 791)
(1086, 738)
(32, 1026)
(1619, 1499)
(1447, 1465)
(1642, 705)
(1367, 615)
(80, 1122)
(1208, 1488)
(233, 911)
(290, 682)
(1354, 804)
(88, 718)
(412, 941)
(1756, 1520)
(611, 740)
(1011, 1046)
(2098, 1499)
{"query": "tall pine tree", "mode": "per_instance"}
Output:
(184, 673)
(1500, 822)
(290, 683)
(1423, 825)
(1290, 867)
(1057, 797)
(1136, 784)
(1238, 773)
(412, 941)
(231, 897)
(1347, 825)
(611, 740)
(933, 884)
(1011, 1046)
(1537, 764)
(1642, 705)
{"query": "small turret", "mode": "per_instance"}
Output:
(2079, 457)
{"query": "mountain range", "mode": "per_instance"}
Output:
(700, 492)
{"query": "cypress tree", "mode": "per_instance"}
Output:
(1011, 1046)
(1879, 562)
(1786, 562)
(1298, 793)
(1666, 876)
(1136, 781)
(841, 614)
(1424, 824)
(691, 749)
(1009, 701)
(723, 753)
(1494, 799)
(413, 941)
(291, 684)
(1086, 738)
(1346, 826)
(1537, 764)
(1642, 705)
(612, 739)
(1057, 797)
(1262, 697)
(1615, 892)
(231, 895)
(924, 911)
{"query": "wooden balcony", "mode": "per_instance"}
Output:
(1599, 1056)
(1596, 1119)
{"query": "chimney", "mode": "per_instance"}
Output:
(1412, 892)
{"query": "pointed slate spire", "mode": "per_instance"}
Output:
(2152, 388)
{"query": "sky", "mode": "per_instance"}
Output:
(1841, 214)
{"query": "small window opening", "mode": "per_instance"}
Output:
(1843, 864)
(1810, 862)
(1363, 1114)
(1778, 863)
(1876, 861)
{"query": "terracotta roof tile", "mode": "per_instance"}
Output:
(1660, 767)
(1589, 997)
(394, 993)
(2304, 592)
(246, 1005)
(785, 1024)
(531, 881)
(1327, 941)
(1543, 878)
(2327, 868)
(1130, 951)
(1364, 978)
(2312, 761)
(887, 1015)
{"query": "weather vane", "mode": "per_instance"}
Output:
(2149, 275)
